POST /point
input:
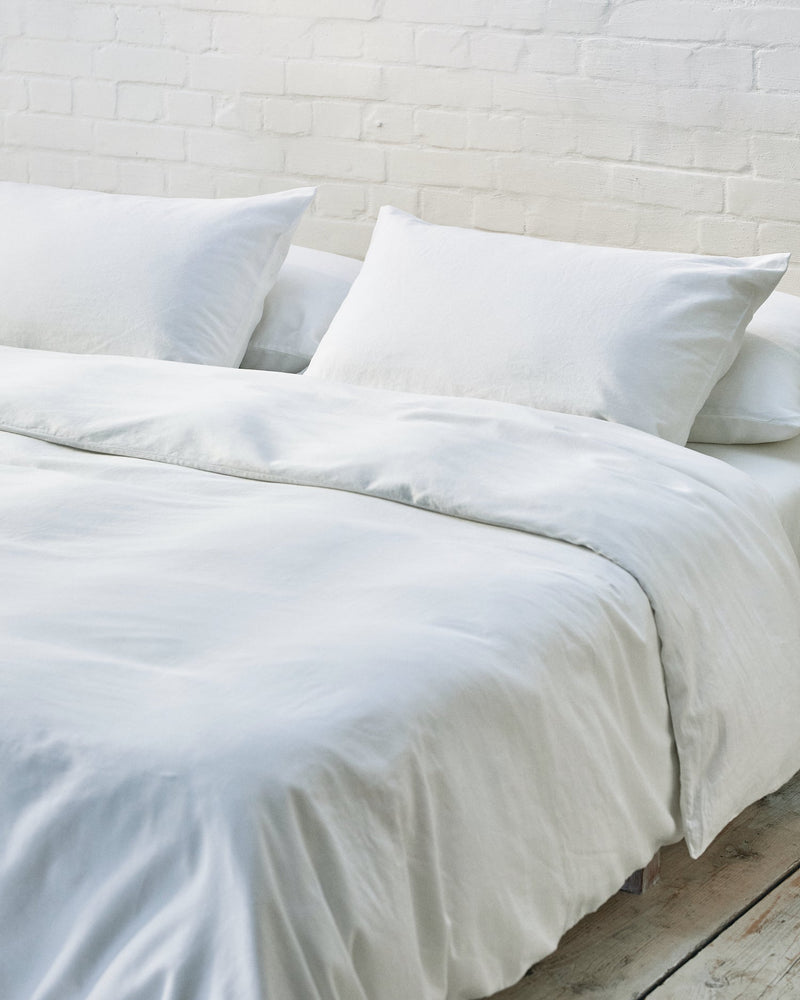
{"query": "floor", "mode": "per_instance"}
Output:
(725, 927)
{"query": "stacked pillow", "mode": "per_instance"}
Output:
(637, 337)
(680, 345)
(182, 279)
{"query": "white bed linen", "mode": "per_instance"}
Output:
(271, 740)
(776, 468)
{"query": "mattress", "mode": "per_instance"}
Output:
(775, 467)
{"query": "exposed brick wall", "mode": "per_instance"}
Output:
(651, 123)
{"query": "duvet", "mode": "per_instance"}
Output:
(310, 692)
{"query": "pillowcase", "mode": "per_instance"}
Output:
(758, 400)
(634, 336)
(183, 279)
(310, 288)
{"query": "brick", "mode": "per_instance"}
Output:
(230, 74)
(336, 119)
(191, 180)
(236, 185)
(142, 178)
(333, 79)
(13, 163)
(439, 167)
(668, 19)
(49, 94)
(93, 23)
(666, 229)
(779, 69)
(495, 132)
(778, 237)
(188, 107)
(186, 30)
(137, 64)
(94, 98)
(549, 135)
(58, 58)
(140, 102)
(441, 12)
(552, 178)
(314, 157)
(691, 192)
(427, 86)
(758, 198)
(340, 236)
(610, 140)
(577, 16)
(724, 236)
(341, 201)
(499, 213)
(713, 149)
(50, 19)
(340, 39)
(615, 59)
(245, 114)
(762, 24)
(775, 155)
(159, 142)
(443, 47)
(287, 116)
(97, 173)
(405, 198)
(13, 93)
(520, 15)
(388, 42)
(139, 25)
(446, 208)
(235, 150)
(51, 132)
(550, 54)
(500, 50)
(722, 66)
(55, 169)
(388, 123)
(446, 129)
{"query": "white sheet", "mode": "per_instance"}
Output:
(267, 740)
(776, 468)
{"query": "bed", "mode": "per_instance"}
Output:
(319, 687)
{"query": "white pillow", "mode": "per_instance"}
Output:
(310, 288)
(183, 279)
(758, 400)
(638, 337)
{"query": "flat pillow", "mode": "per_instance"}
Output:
(758, 400)
(183, 279)
(310, 288)
(634, 336)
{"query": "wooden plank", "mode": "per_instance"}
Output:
(644, 878)
(632, 942)
(756, 957)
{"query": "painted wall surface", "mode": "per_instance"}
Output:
(669, 124)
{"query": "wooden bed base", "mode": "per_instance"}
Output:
(641, 880)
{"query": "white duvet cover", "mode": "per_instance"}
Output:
(266, 734)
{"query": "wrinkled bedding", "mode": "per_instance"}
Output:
(310, 691)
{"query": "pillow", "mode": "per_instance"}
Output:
(183, 279)
(758, 400)
(635, 336)
(310, 288)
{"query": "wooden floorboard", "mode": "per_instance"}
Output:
(758, 956)
(633, 944)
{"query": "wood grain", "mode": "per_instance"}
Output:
(632, 943)
(756, 957)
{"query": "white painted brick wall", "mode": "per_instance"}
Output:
(652, 123)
